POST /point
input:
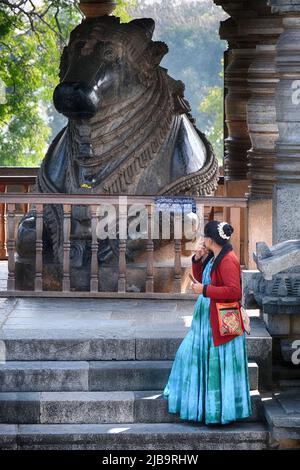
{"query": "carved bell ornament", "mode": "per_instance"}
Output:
(97, 7)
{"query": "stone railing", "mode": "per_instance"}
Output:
(14, 179)
(21, 180)
(234, 210)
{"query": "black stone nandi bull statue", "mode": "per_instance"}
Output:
(129, 132)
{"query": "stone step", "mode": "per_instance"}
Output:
(26, 376)
(285, 373)
(134, 436)
(60, 329)
(289, 384)
(282, 412)
(94, 408)
(89, 345)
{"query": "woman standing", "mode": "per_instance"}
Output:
(209, 379)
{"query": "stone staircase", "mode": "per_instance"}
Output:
(89, 374)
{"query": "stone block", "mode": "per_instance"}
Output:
(140, 436)
(131, 375)
(248, 299)
(157, 348)
(277, 324)
(40, 376)
(87, 407)
(8, 437)
(20, 407)
(66, 349)
(295, 324)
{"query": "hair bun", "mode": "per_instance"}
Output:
(228, 229)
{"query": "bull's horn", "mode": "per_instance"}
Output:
(148, 24)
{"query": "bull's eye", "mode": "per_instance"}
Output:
(109, 54)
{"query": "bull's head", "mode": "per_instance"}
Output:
(102, 63)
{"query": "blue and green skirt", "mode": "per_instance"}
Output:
(208, 383)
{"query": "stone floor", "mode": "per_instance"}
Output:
(120, 317)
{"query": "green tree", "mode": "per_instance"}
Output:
(191, 30)
(32, 35)
(212, 107)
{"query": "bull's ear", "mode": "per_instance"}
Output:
(156, 51)
(148, 25)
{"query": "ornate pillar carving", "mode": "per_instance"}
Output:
(262, 125)
(238, 141)
(253, 30)
(250, 153)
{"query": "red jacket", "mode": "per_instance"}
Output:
(225, 286)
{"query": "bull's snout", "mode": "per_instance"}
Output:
(75, 100)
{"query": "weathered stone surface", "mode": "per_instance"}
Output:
(88, 407)
(277, 324)
(8, 437)
(140, 375)
(51, 406)
(65, 349)
(285, 6)
(95, 407)
(39, 376)
(278, 258)
(152, 407)
(157, 348)
(295, 324)
(135, 375)
(248, 300)
(282, 411)
(19, 407)
(259, 347)
(163, 436)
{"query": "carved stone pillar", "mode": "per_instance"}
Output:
(238, 141)
(250, 31)
(286, 195)
(262, 125)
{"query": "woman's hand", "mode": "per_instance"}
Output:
(200, 251)
(197, 287)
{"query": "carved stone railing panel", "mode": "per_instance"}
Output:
(95, 271)
(177, 253)
(10, 224)
(67, 247)
(149, 248)
(122, 248)
(38, 282)
(3, 247)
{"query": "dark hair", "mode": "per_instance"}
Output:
(218, 231)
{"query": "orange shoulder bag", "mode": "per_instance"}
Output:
(230, 319)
